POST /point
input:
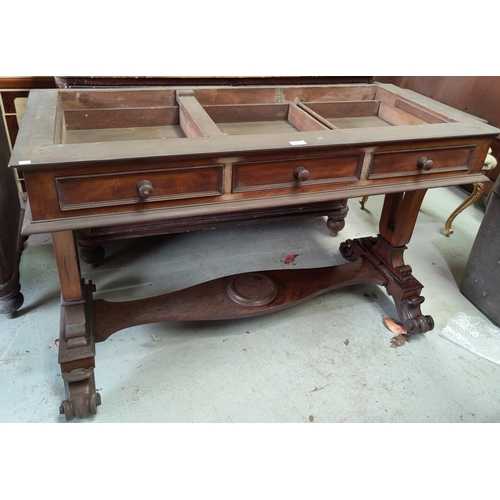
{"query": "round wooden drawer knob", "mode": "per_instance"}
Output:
(145, 189)
(301, 174)
(424, 163)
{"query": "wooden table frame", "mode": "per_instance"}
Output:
(233, 154)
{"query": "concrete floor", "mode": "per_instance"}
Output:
(292, 366)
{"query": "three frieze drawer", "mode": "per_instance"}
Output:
(125, 188)
(134, 187)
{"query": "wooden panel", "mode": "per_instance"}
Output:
(81, 192)
(327, 93)
(139, 98)
(264, 127)
(122, 134)
(239, 95)
(115, 118)
(420, 112)
(250, 119)
(359, 122)
(405, 162)
(275, 174)
(344, 109)
(396, 116)
(236, 113)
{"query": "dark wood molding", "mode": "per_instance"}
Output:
(27, 82)
(138, 81)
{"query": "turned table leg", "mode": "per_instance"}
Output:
(336, 218)
(92, 255)
(76, 338)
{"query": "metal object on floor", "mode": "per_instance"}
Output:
(481, 283)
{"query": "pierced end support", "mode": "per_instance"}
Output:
(399, 280)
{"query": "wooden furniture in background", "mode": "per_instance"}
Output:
(174, 156)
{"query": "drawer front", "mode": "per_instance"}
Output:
(83, 192)
(416, 161)
(276, 174)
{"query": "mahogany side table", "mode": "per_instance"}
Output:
(194, 157)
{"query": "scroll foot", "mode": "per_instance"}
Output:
(77, 355)
(82, 399)
(411, 316)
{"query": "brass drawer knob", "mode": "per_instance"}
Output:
(145, 189)
(424, 163)
(301, 174)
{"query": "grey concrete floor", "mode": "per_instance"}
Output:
(327, 360)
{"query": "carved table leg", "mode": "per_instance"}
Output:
(92, 256)
(477, 192)
(76, 338)
(385, 252)
(336, 219)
